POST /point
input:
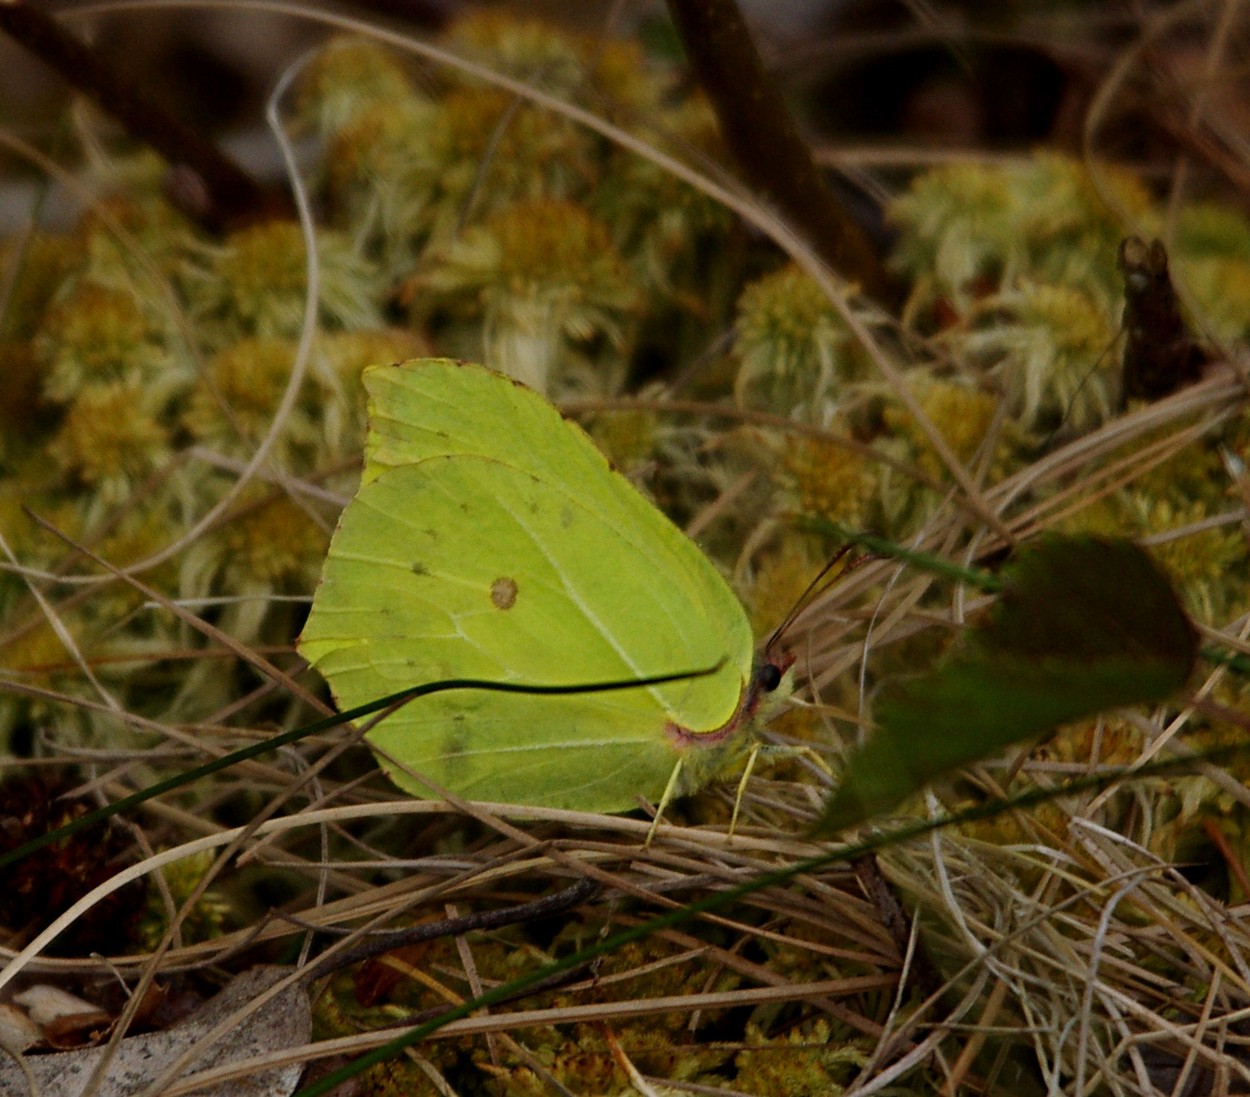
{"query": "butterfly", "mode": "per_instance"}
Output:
(491, 540)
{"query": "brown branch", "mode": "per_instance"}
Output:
(765, 141)
(228, 196)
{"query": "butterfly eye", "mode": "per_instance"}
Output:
(768, 677)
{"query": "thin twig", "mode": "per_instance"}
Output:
(451, 927)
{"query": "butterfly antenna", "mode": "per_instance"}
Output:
(817, 585)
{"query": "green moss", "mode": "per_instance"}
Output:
(206, 920)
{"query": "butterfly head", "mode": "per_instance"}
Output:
(767, 678)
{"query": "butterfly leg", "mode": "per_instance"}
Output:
(771, 750)
(670, 790)
(742, 786)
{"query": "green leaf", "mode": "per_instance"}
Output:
(1084, 624)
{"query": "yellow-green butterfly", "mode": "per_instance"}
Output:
(491, 540)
